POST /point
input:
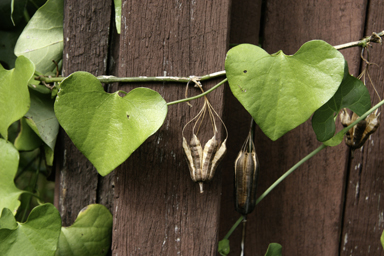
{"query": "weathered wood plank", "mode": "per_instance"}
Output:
(86, 33)
(364, 219)
(158, 209)
(304, 212)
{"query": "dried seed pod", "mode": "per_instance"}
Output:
(210, 150)
(246, 173)
(202, 164)
(358, 134)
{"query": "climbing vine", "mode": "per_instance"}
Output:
(279, 91)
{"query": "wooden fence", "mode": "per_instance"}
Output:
(331, 205)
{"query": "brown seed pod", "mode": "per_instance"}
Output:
(202, 163)
(358, 134)
(246, 173)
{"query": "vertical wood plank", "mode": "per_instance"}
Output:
(304, 212)
(158, 209)
(364, 213)
(86, 33)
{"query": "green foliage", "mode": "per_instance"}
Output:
(223, 247)
(9, 193)
(118, 15)
(42, 39)
(351, 94)
(382, 239)
(105, 127)
(41, 118)
(274, 249)
(14, 95)
(90, 234)
(36, 237)
(280, 91)
(27, 139)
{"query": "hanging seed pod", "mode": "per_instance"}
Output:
(202, 163)
(358, 134)
(246, 173)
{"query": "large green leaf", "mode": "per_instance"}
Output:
(38, 236)
(105, 127)
(282, 91)
(14, 95)
(42, 38)
(41, 118)
(90, 234)
(274, 249)
(9, 162)
(351, 94)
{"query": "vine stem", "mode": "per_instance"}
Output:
(237, 223)
(198, 96)
(374, 38)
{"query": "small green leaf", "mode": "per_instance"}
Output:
(9, 162)
(7, 220)
(27, 139)
(274, 249)
(352, 94)
(382, 239)
(282, 91)
(38, 236)
(42, 38)
(105, 127)
(90, 234)
(223, 247)
(118, 15)
(41, 118)
(14, 95)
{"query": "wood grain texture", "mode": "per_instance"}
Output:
(86, 34)
(364, 212)
(304, 212)
(158, 209)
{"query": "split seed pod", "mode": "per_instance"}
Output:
(246, 173)
(358, 134)
(202, 163)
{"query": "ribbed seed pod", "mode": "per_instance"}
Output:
(246, 173)
(358, 134)
(202, 164)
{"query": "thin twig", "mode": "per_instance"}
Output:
(374, 38)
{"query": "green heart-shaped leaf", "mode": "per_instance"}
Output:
(42, 39)
(9, 193)
(38, 236)
(90, 234)
(105, 127)
(282, 91)
(351, 94)
(14, 95)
